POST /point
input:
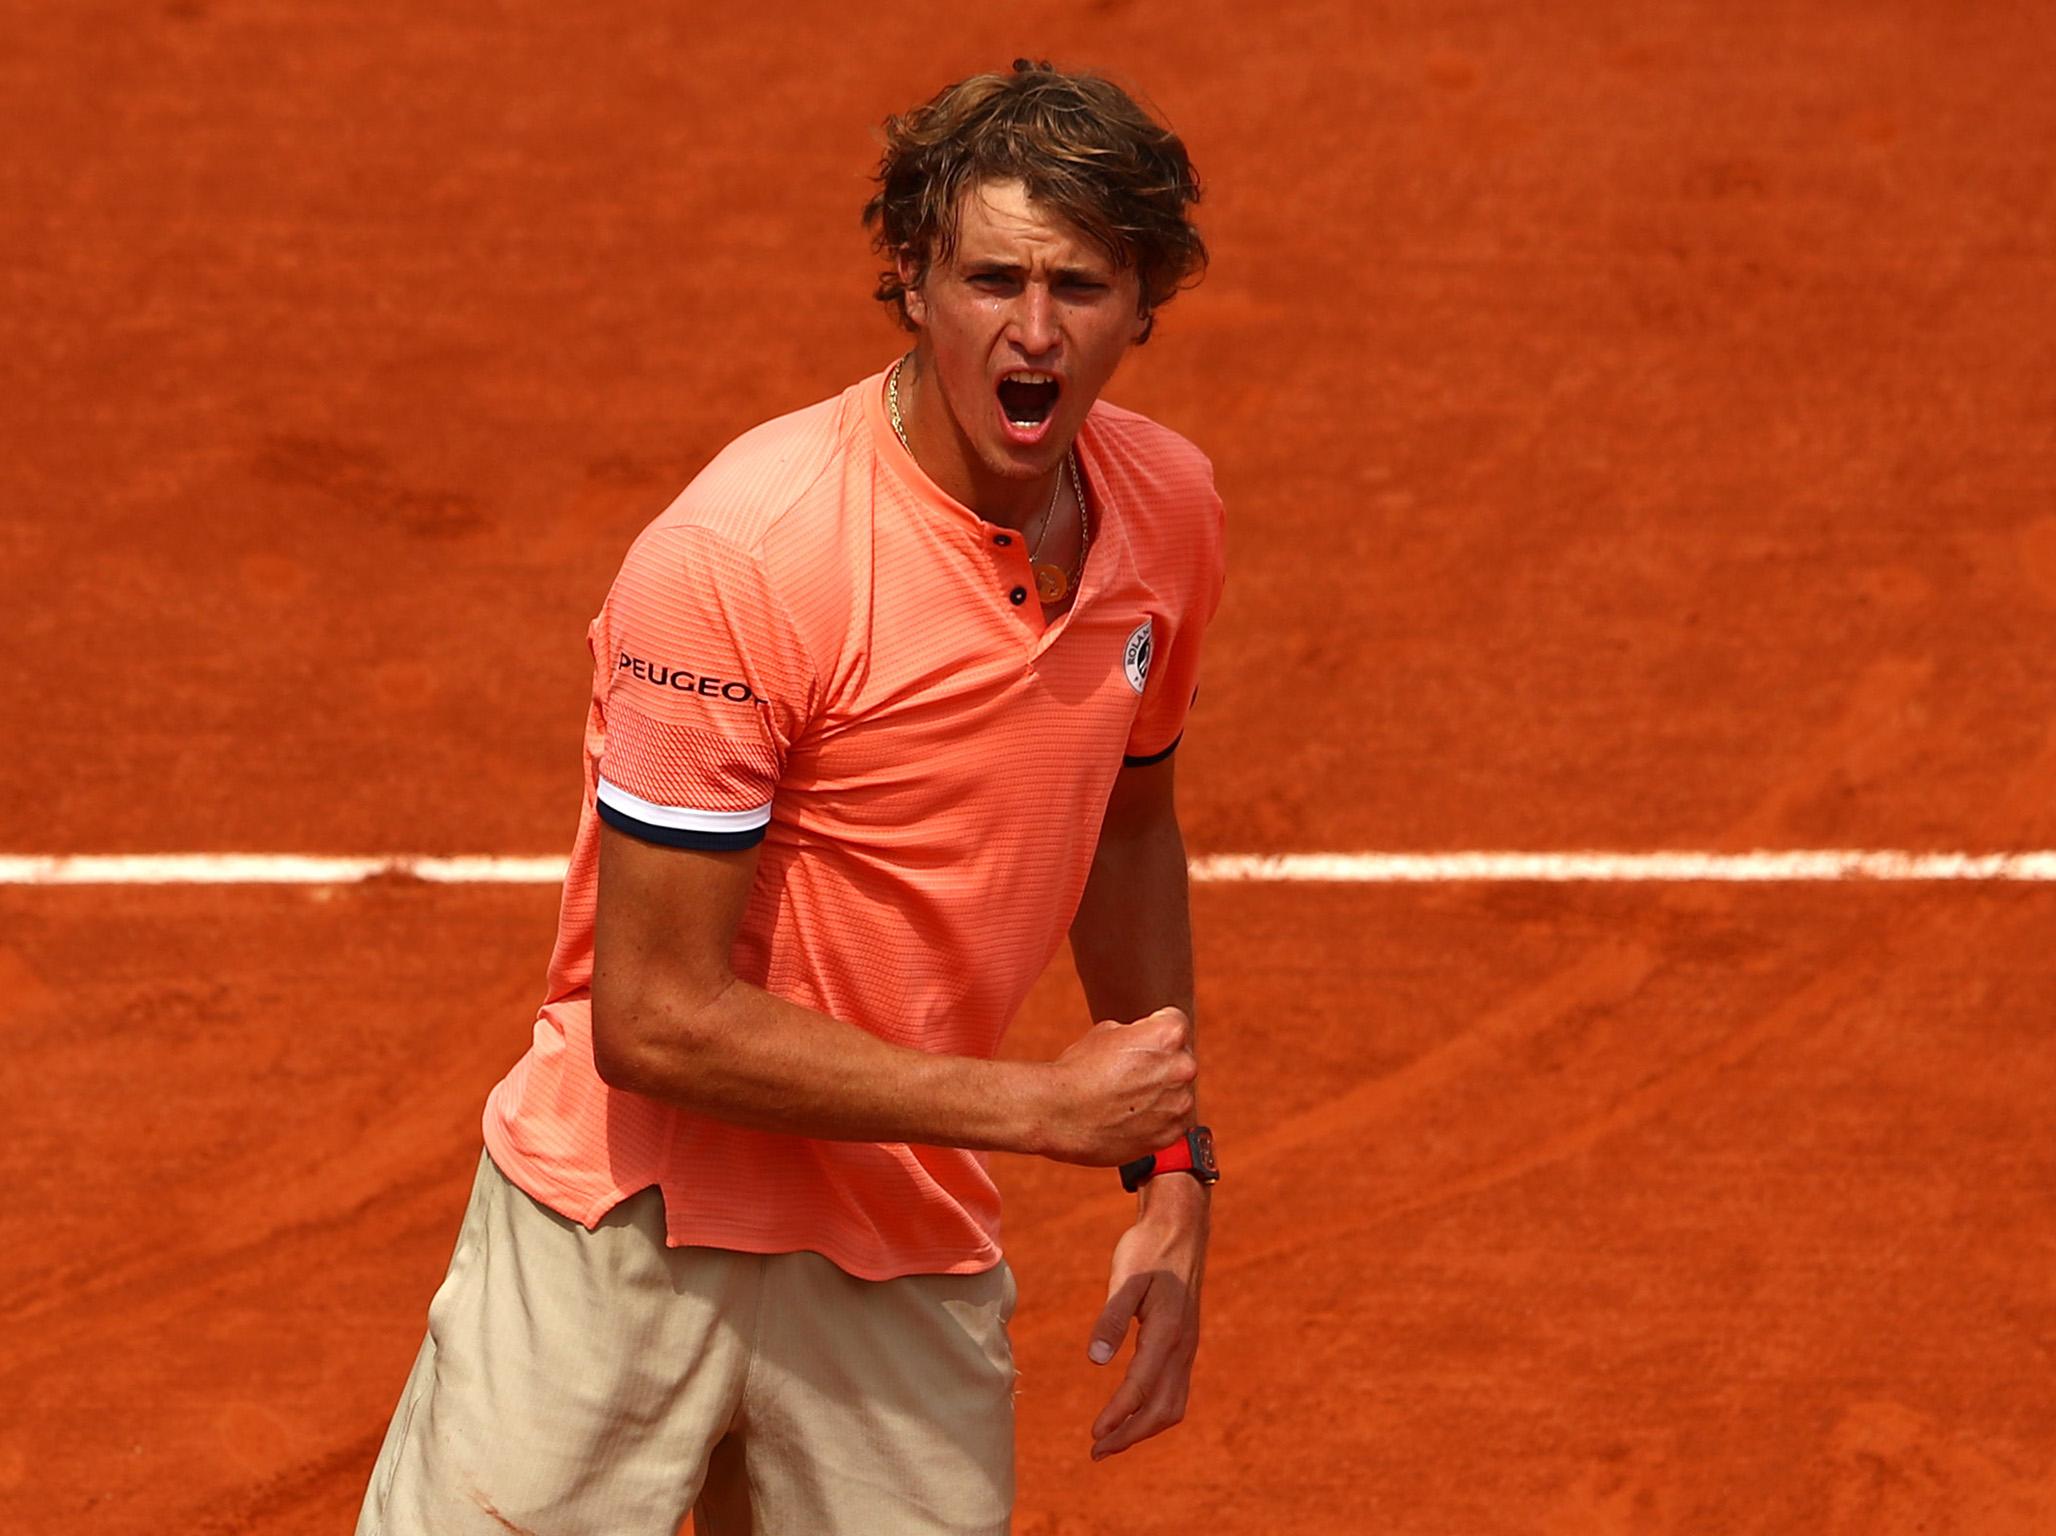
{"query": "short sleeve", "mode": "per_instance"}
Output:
(703, 687)
(1171, 674)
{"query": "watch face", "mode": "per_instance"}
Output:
(1203, 1151)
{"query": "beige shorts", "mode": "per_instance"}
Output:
(575, 1383)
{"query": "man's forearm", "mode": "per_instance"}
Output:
(1132, 944)
(751, 1058)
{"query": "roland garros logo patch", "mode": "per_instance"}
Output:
(1135, 661)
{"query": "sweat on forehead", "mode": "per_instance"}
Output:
(1003, 221)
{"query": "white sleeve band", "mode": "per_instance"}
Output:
(681, 818)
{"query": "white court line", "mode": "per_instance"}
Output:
(1800, 864)
(273, 869)
(1784, 865)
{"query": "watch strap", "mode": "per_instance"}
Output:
(1191, 1153)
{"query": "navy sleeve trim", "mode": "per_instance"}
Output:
(1153, 757)
(678, 837)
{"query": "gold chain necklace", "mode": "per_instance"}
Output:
(1052, 582)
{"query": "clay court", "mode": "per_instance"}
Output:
(1638, 429)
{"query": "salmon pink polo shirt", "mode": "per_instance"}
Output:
(815, 649)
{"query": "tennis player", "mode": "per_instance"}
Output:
(884, 706)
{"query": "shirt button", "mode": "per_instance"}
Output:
(1018, 596)
(1002, 539)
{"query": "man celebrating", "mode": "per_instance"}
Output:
(882, 705)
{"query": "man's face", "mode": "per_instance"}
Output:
(1022, 326)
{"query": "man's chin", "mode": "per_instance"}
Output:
(1022, 469)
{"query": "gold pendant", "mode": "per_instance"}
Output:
(1051, 584)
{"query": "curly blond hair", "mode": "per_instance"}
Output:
(1079, 144)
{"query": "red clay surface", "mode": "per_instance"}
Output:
(1639, 430)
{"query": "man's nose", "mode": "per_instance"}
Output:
(1035, 320)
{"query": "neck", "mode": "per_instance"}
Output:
(945, 455)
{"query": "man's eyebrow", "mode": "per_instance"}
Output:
(1001, 265)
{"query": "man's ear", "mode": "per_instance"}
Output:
(916, 301)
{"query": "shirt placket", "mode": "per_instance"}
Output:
(1103, 558)
(1013, 579)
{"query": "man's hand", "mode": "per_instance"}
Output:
(1123, 1091)
(1158, 1264)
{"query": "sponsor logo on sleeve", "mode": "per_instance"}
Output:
(1135, 660)
(680, 680)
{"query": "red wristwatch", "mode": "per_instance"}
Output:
(1191, 1153)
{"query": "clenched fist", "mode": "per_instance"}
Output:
(1122, 1091)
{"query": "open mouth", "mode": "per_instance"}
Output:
(1028, 397)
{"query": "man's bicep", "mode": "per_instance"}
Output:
(665, 925)
(1143, 794)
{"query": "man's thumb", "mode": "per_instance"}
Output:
(1112, 1325)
